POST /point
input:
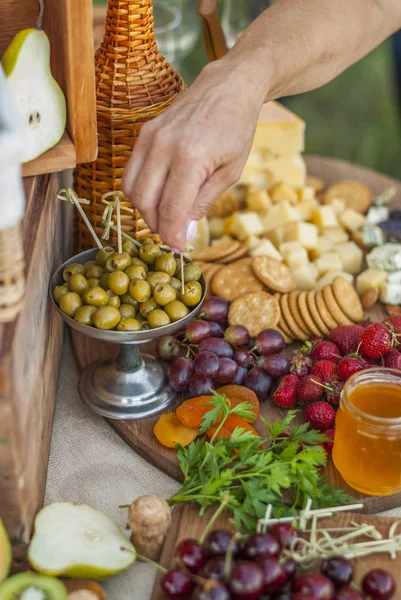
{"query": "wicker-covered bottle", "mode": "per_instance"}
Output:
(134, 83)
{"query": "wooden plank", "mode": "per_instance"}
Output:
(61, 157)
(186, 523)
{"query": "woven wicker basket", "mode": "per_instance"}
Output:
(12, 278)
(134, 83)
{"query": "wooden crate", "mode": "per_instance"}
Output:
(68, 23)
(30, 351)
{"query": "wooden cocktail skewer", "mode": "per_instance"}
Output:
(68, 195)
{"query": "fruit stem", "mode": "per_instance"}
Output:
(151, 562)
(212, 521)
(124, 505)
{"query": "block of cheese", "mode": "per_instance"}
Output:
(304, 233)
(386, 257)
(351, 257)
(266, 248)
(258, 200)
(351, 219)
(306, 193)
(305, 276)
(252, 241)
(306, 207)
(329, 278)
(394, 277)
(279, 131)
(335, 234)
(256, 177)
(328, 261)
(324, 216)
(245, 224)
(390, 293)
(282, 191)
(276, 236)
(290, 169)
(216, 227)
(294, 254)
(371, 278)
(280, 214)
(324, 244)
(338, 205)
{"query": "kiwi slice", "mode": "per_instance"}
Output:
(5, 552)
(30, 586)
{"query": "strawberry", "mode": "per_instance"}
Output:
(349, 365)
(395, 321)
(333, 393)
(325, 369)
(375, 341)
(328, 446)
(392, 360)
(346, 337)
(320, 415)
(285, 395)
(325, 351)
(309, 388)
(301, 362)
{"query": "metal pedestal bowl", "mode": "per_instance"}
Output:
(134, 385)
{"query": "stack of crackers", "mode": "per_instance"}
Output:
(262, 292)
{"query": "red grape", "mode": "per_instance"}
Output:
(216, 329)
(227, 371)
(348, 593)
(167, 348)
(290, 568)
(176, 584)
(285, 533)
(236, 335)
(378, 584)
(214, 309)
(282, 596)
(211, 590)
(243, 359)
(217, 543)
(315, 584)
(197, 331)
(200, 385)
(246, 581)
(277, 365)
(180, 374)
(192, 554)
(303, 596)
(214, 568)
(218, 346)
(274, 577)
(339, 570)
(207, 363)
(261, 545)
(270, 341)
(239, 378)
(260, 382)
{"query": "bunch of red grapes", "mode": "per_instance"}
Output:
(222, 568)
(210, 353)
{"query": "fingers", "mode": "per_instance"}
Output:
(213, 188)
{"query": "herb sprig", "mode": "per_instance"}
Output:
(247, 472)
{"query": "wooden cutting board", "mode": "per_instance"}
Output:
(186, 523)
(139, 434)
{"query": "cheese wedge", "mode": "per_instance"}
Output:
(279, 131)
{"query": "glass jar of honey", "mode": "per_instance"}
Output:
(367, 441)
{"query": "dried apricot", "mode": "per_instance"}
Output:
(239, 393)
(229, 425)
(170, 432)
(191, 411)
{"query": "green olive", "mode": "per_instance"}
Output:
(106, 317)
(158, 318)
(135, 272)
(166, 263)
(192, 272)
(127, 311)
(137, 262)
(130, 248)
(176, 310)
(118, 282)
(192, 293)
(128, 299)
(94, 271)
(129, 324)
(146, 241)
(89, 264)
(59, 290)
(140, 290)
(103, 255)
(69, 303)
(156, 278)
(177, 272)
(146, 307)
(96, 296)
(175, 283)
(104, 281)
(149, 253)
(164, 294)
(77, 283)
(118, 262)
(93, 282)
(84, 315)
(114, 299)
(73, 269)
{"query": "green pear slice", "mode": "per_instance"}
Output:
(5, 553)
(76, 540)
(40, 103)
(30, 586)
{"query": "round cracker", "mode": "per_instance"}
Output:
(296, 331)
(355, 194)
(217, 251)
(282, 324)
(274, 274)
(324, 312)
(256, 311)
(242, 250)
(293, 304)
(347, 299)
(320, 324)
(303, 309)
(234, 280)
(333, 307)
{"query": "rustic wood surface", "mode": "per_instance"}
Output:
(186, 523)
(68, 24)
(30, 352)
(139, 434)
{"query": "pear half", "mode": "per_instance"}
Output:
(40, 103)
(5, 553)
(77, 540)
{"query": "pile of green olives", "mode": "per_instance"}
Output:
(141, 288)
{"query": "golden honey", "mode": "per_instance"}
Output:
(367, 442)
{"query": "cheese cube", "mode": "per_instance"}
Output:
(246, 224)
(276, 236)
(336, 234)
(305, 276)
(255, 159)
(279, 131)
(372, 235)
(338, 205)
(266, 248)
(390, 293)
(328, 261)
(224, 238)
(377, 214)
(256, 177)
(304, 233)
(282, 191)
(290, 169)
(306, 208)
(280, 214)
(371, 278)
(294, 255)
(306, 193)
(394, 277)
(324, 244)
(352, 220)
(258, 200)
(253, 241)
(329, 278)
(324, 216)
(351, 257)
(216, 227)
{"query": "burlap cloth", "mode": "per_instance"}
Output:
(90, 463)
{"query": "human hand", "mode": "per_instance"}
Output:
(186, 157)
